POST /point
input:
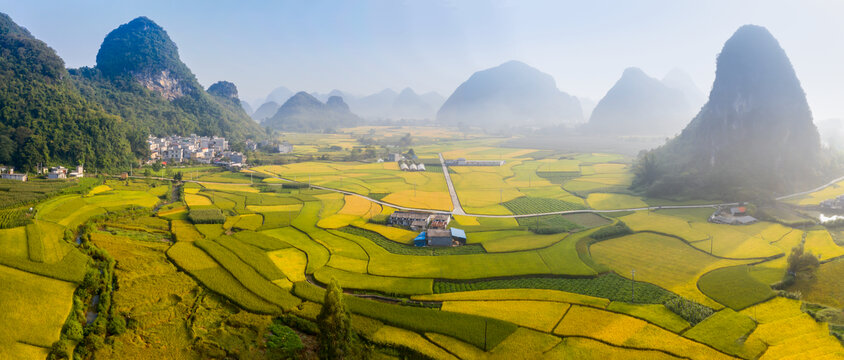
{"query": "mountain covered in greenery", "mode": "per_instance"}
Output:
(510, 95)
(44, 118)
(640, 105)
(755, 133)
(303, 112)
(140, 77)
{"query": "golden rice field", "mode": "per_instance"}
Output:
(501, 297)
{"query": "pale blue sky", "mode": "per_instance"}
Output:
(364, 46)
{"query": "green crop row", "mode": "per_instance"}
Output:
(247, 275)
(71, 268)
(256, 258)
(609, 286)
(384, 284)
(274, 220)
(261, 241)
(538, 205)
(734, 287)
(548, 224)
(206, 216)
(14, 217)
(403, 249)
(34, 243)
(221, 281)
(482, 332)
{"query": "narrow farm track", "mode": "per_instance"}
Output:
(455, 201)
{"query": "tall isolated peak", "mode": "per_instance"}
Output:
(756, 129)
(142, 50)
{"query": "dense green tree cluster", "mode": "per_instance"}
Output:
(101, 116)
(43, 118)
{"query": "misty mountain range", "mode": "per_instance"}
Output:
(386, 104)
(516, 94)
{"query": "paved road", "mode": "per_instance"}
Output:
(455, 201)
(810, 191)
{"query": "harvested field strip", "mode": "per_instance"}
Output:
(247, 275)
(468, 328)
(622, 330)
(537, 315)
(383, 284)
(734, 287)
(610, 286)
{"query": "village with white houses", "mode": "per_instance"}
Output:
(199, 149)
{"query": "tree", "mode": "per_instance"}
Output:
(802, 263)
(335, 328)
(178, 176)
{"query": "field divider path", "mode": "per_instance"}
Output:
(380, 202)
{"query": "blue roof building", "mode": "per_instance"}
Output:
(458, 235)
(420, 240)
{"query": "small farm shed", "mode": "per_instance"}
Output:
(458, 235)
(420, 240)
(438, 237)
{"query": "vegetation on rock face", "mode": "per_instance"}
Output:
(735, 145)
(43, 119)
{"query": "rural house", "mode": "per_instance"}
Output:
(407, 218)
(439, 237)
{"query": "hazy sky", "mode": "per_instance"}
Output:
(364, 46)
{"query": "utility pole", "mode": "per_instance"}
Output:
(632, 283)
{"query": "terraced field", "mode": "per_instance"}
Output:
(516, 290)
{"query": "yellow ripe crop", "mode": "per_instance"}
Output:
(389, 335)
(538, 315)
(518, 294)
(603, 201)
(820, 243)
(197, 200)
(648, 221)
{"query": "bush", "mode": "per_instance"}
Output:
(73, 329)
(60, 350)
(619, 229)
(116, 324)
(303, 325)
(282, 341)
(688, 310)
(206, 216)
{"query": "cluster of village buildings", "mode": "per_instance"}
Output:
(836, 203)
(56, 172)
(434, 227)
(201, 149)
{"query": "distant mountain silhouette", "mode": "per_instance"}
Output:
(265, 111)
(755, 134)
(639, 105)
(680, 80)
(512, 94)
(279, 95)
(246, 107)
(305, 113)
